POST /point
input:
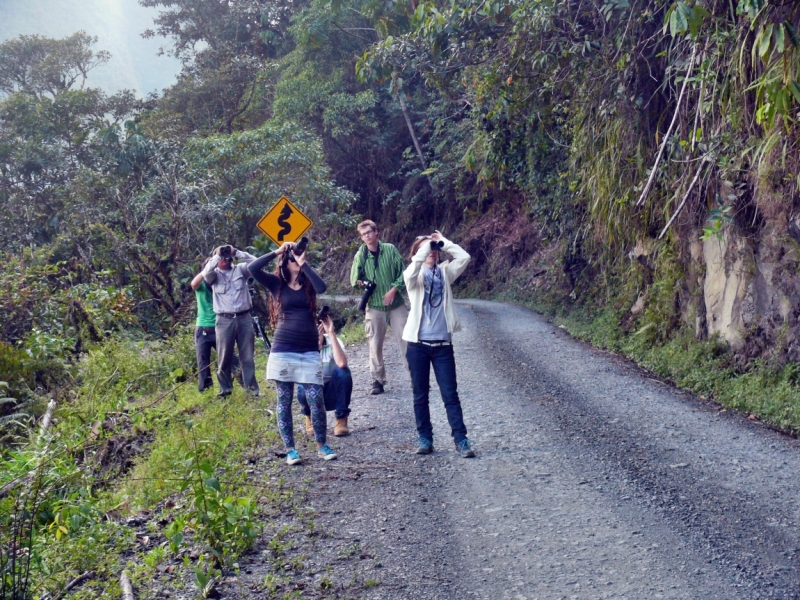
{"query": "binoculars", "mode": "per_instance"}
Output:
(299, 248)
(323, 313)
(436, 245)
(226, 252)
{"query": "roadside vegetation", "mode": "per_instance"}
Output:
(139, 473)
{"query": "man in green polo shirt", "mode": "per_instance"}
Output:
(382, 264)
(205, 337)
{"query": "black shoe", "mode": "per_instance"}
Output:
(223, 394)
(377, 388)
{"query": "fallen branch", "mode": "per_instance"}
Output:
(685, 198)
(127, 588)
(73, 584)
(47, 419)
(650, 180)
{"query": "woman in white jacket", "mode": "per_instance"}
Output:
(428, 331)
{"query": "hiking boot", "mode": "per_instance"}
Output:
(309, 426)
(424, 446)
(326, 453)
(464, 448)
(377, 388)
(293, 457)
(340, 429)
(224, 394)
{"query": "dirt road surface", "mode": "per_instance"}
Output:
(592, 480)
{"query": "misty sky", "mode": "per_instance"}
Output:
(117, 23)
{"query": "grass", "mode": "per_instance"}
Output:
(148, 473)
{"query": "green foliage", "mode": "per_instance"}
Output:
(225, 524)
(256, 167)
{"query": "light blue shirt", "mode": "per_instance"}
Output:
(433, 327)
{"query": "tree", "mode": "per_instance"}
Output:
(39, 66)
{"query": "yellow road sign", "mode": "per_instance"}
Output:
(284, 222)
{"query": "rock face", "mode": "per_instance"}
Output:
(754, 290)
(730, 269)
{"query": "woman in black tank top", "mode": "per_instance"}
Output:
(294, 357)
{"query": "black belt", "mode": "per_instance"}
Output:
(234, 315)
(435, 344)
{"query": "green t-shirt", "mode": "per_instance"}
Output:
(205, 306)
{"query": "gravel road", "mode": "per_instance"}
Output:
(592, 480)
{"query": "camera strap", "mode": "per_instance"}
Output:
(365, 256)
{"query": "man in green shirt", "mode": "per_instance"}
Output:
(382, 264)
(205, 337)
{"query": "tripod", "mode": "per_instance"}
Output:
(261, 333)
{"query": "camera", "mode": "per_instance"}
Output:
(369, 287)
(299, 248)
(437, 245)
(225, 252)
(323, 313)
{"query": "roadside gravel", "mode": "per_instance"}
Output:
(593, 480)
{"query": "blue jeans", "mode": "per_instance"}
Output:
(336, 393)
(420, 358)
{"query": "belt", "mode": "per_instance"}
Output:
(234, 315)
(435, 344)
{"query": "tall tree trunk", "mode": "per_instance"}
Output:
(411, 129)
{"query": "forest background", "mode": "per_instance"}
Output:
(628, 166)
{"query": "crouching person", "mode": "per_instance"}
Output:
(429, 330)
(337, 389)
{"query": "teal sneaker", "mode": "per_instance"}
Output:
(293, 457)
(326, 453)
(424, 446)
(464, 448)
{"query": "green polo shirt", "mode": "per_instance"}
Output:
(205, 306)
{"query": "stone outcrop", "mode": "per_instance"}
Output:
(730, 269)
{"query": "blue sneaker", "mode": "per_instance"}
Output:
(464, 447)
(293, 457)
(326, 453)
(424, 446)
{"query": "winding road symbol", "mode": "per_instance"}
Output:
(284, 222)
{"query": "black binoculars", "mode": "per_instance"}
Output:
(323, 313)
(299, 248)
(226, 252)
(369, 287)
(437, 245)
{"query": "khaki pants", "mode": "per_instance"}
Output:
(375, 324)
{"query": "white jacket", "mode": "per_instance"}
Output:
(415, 287)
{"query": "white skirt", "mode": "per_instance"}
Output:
(296, 367)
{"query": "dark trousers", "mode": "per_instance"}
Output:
(239, 331)
(336, 393)
(420, 359)
(205, 338)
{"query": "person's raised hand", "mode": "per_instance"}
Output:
(436, 236)
(300, 259)
(283, 248)
(327, 325)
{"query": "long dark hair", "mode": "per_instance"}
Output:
(283, 273)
